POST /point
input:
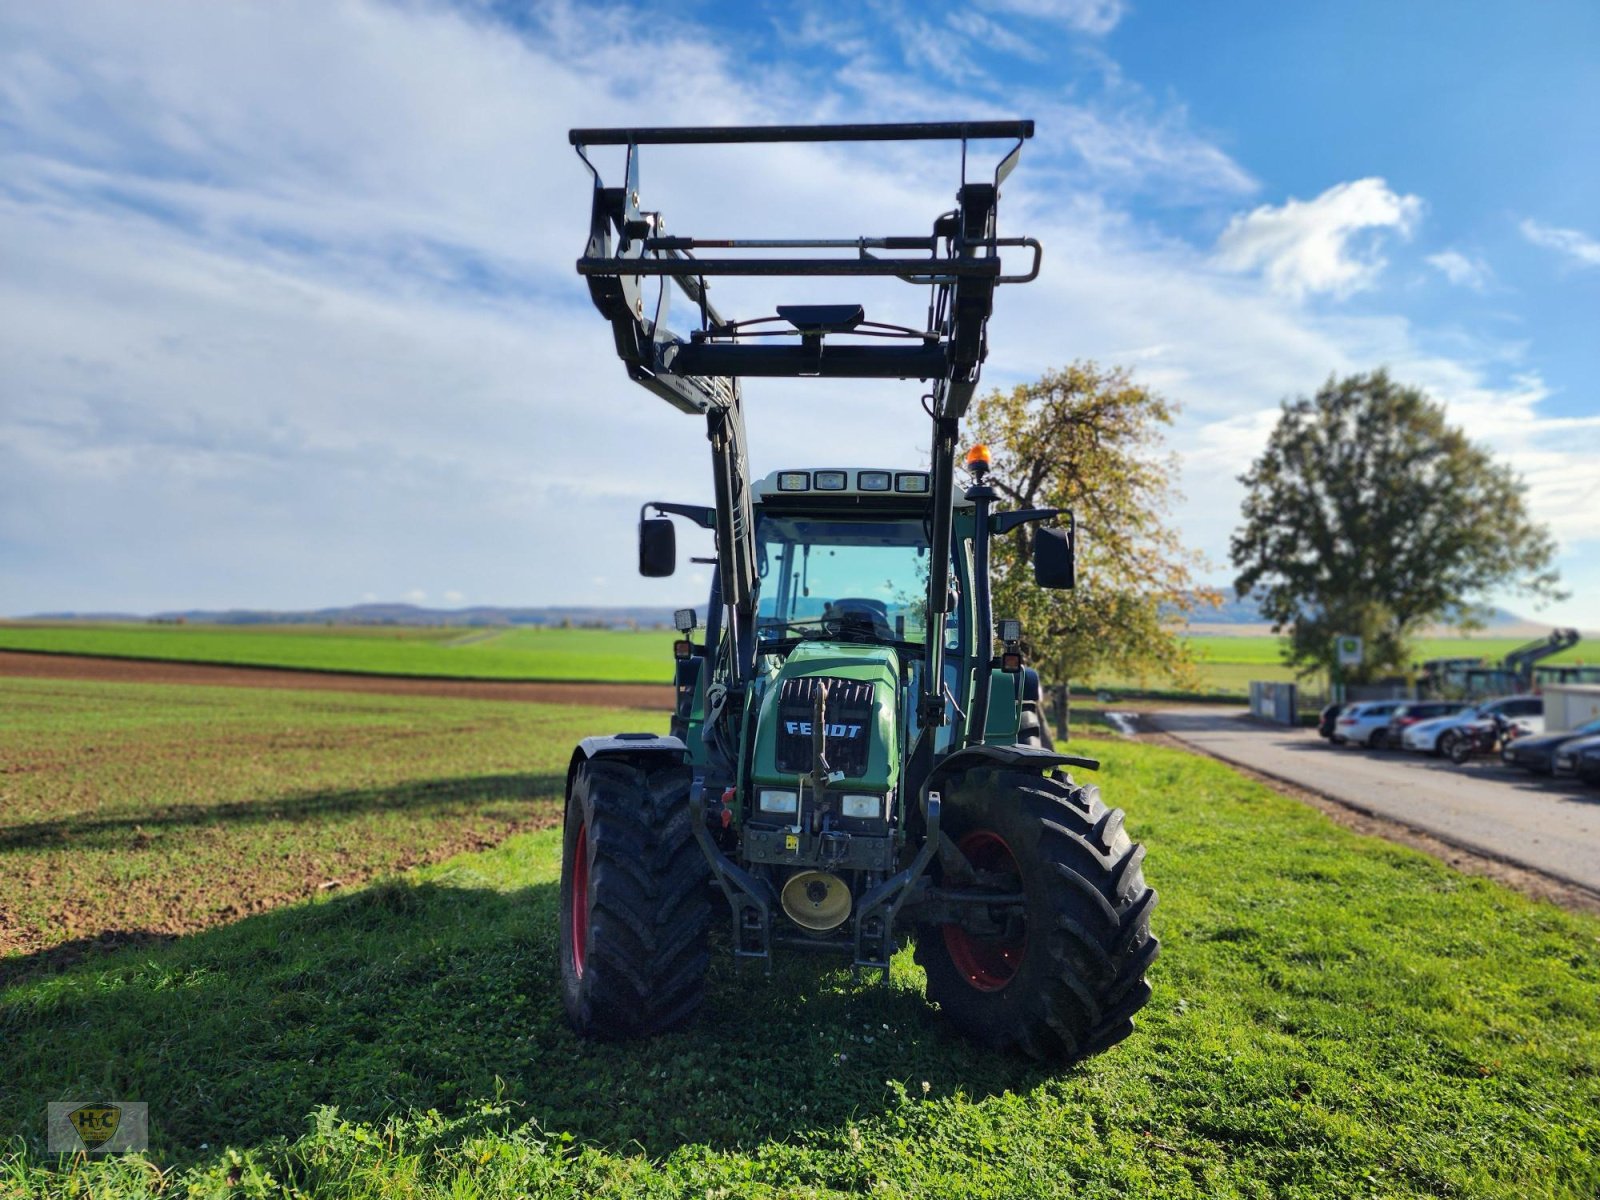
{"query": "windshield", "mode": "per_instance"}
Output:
(870, 576)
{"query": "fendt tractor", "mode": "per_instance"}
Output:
(851, 763)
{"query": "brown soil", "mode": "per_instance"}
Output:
(656, 697)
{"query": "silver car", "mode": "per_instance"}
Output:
(1361, 723)
(1433, 737)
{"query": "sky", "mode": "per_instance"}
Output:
(288, 314)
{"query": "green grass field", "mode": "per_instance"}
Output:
(1228, 664)
(1333, 1016)
(114, 798)
(602, 655)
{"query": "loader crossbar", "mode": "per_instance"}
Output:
(908, 131)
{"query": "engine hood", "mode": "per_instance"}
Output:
(862, 716)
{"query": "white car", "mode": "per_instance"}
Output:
(1360, 722)
(1427, 736)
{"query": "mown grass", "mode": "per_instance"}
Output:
(1219, 648)
(600, 655)
(1334, 1016)
(1229, 664)
(128, 810)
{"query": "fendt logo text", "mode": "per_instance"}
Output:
(804, 729)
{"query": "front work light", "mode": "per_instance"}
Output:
(794, 481)
(862, 808)
(779, 802)
(873, 481)
(831, 481)
(911, 481)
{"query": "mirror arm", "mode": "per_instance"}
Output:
(701, 514)
(1003, 523)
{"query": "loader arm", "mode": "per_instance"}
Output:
(959, 261)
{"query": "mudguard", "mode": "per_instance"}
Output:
(1017, 758)
(630, 746)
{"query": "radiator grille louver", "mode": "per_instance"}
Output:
(849, 718)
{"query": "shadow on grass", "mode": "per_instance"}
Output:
(76, 830)
(409, 996)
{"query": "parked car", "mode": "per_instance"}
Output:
(1539, 753)
(1427, 736)
(1326, 720)
(1412, 712)
(1580, 758)
(1358, 723)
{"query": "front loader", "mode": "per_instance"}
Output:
(851, 763)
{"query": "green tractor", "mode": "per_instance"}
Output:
(851, 763)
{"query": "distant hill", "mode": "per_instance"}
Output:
(1234, 611)
(621, 616)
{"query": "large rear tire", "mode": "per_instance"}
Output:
(635, 908)
(1067, 983)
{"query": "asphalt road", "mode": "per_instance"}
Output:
(1531, 820)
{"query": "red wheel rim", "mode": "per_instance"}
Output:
(987, 964)
(578, 899)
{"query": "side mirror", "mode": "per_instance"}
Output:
(658, 547)
(1054, 564)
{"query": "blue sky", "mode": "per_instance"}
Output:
(288, 317)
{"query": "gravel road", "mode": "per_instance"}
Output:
(1531, 820)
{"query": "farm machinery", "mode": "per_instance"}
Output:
(851, 763)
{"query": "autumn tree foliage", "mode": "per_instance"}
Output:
(1091, 440)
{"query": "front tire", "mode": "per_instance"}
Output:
(1065, 984)
(635, 908)
(1445, 746)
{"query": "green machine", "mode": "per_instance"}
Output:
(858, 755)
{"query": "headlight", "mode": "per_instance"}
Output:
(779, 802)
(862, 808)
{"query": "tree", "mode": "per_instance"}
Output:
(1369, 514)
(1089, 439)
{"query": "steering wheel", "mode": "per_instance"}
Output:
(857, 613)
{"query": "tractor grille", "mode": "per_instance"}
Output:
(849, 717)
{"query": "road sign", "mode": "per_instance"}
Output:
(1348, 651)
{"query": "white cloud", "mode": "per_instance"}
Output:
(287, 310)
(1574, 244)
(1096, 17)
(1461, 270)
(1308, 246)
